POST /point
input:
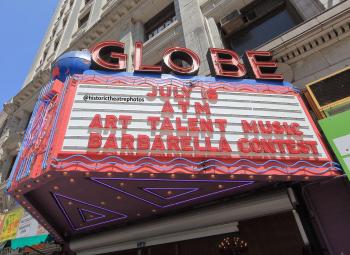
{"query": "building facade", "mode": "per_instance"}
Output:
(308, 38)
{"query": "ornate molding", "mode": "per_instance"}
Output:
(10, 107)
(311, 36)
(31, 89)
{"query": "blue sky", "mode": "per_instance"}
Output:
(23, 24)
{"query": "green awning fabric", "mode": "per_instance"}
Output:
(28, 241)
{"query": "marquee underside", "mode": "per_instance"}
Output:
(79, 203)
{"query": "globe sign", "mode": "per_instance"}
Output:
(69, 63)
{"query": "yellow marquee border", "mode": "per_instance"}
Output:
(319, 110)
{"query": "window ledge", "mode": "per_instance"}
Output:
(162, 33)
(48, 43)
(79, 31)
(86, 7)
(39, 67)
(108, 3)
(59, 33)
(49, 59)
(153, 47)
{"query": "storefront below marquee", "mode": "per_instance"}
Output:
(257, 232)
(259, 236)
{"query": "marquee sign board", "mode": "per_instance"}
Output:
(173, 120)
(171, 125)
(158, 143)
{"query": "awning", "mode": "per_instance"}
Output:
(29, 241)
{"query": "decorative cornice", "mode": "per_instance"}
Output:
(320, 32)
(32, 88)
(10, 107)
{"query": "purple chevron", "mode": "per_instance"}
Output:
(86, 219)
(240, 184)
(108, 216)
(186, 191)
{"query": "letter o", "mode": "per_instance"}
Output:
(255, 145)
(184, 54)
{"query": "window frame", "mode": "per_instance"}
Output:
(154, 25)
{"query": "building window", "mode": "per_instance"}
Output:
(44, 57)
(257, 23)
(83, 21)
(54, 32)
(12, 163)
(64, 21)
(61, 12)
(56, 45)
(159, 22)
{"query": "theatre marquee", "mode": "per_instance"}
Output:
(104, 150)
